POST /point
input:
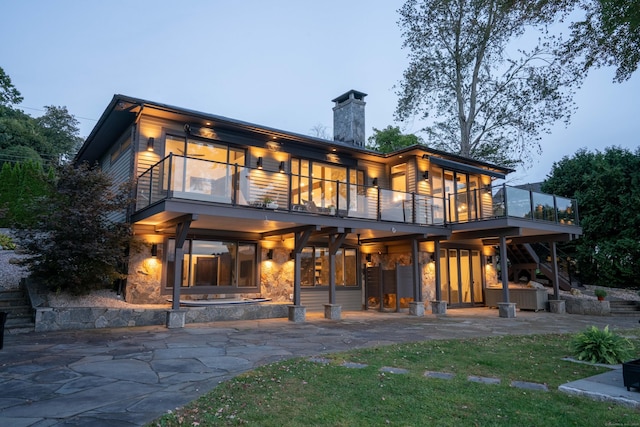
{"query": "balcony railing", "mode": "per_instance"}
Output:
(203, 180)
(505, 201)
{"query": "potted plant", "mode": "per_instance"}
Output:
(600, 293)
(332, 209)
(269, 202)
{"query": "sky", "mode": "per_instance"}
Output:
(276, 63)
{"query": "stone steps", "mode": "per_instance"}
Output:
(15, 303)
(624, 308)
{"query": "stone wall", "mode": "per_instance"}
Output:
(574, 305)
(276, 275)
(145, 276)
(69, 318)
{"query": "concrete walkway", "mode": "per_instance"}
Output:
(130, 376)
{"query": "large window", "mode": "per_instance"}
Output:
(314, 267)
(323, 185)
(222, 266)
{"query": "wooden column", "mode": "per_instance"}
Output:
(417, 276)
(504, 269)
(436, 258)
(554, 270)
(182, 228)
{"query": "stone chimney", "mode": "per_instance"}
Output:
(348, 118)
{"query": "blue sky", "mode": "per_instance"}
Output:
(276, 63)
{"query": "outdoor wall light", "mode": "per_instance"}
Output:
(259, 163)
(154, 251)
(375, 182)
(368, 258)
(150, 143)
(270, 254)
(425, 175)
(281, 167)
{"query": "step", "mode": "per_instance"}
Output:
(634, 313)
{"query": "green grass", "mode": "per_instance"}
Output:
(302, 393)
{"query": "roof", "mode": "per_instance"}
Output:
(124, 110)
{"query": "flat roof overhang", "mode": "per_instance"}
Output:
(253, 223)
(516, 229)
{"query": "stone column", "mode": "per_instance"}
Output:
(557, 306)
(332, 311)
(439, 307)
(507, 309)
(176, 318)
(297, 313)
(416, 308)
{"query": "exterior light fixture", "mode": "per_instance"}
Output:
(259, 162)
(150, 143)
(154, 251)
(281, 167)
(425, 175)
(368, 257)
(375, 182)
(270, 254)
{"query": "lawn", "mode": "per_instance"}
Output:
(300, 392)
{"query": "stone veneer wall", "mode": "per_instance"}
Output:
(145, 276)
(276, 275)
(389, 262)
(68, 318)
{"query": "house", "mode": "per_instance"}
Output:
(230, 209)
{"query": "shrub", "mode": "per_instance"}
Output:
(601, 346)
(6, 242)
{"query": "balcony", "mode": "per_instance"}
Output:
(177, 177)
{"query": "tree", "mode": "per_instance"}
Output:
(320, 131)
(484, 102)
(60, 130)
(54, 136)
(21, 185)
(390, 139)
(8, 93)
(76, 246)
(608, 35)
(607, 188)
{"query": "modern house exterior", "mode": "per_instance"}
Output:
(230, 209)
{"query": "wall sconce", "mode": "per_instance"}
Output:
(270, 254)
(154, 251)
(259, 163)
(425, 175)
(281, 167)
(368, 257)
(375, 182)
(490, 259)
(150, 143)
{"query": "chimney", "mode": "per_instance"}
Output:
(348, 118)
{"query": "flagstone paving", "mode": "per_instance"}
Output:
(130, 376)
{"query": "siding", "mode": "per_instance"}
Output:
(119, 170)
(314, 300)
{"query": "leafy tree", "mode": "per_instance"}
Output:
(607, 188)
(60, 130)
(484, 101)
(76, 247)
(8, 93)
(608, 35)
(54, 136)
(21, 185)
(390, 139)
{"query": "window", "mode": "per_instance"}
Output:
(314, 267)
(221, 266)
(323, 185)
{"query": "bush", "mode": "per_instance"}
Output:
(6, 242)
(77, 245)
(601, 346)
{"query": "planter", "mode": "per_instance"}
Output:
(631, 374)
(600, 298)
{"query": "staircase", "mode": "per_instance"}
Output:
(19, 312)
(625, 308)
(524, 257)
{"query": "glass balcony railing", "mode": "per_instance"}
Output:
(505, 201)
(177, 177)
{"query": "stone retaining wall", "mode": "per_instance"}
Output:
(590, 307)
(67, 318)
